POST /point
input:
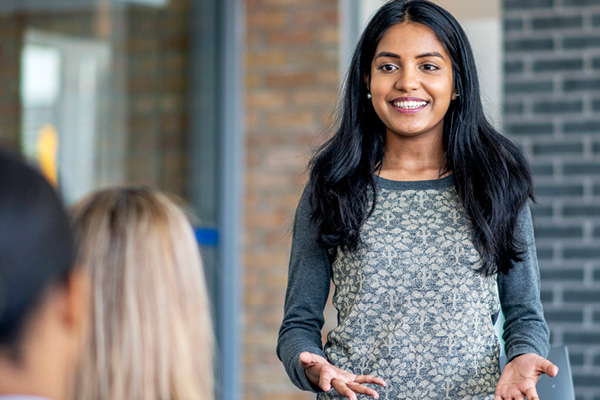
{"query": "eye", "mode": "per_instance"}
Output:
(430, 67)
(388, 67)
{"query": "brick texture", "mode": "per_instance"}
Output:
(552, 92)
(291, 91)
(157, 44)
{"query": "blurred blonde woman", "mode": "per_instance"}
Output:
(151, 336)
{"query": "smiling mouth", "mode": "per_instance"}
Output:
(409, 104)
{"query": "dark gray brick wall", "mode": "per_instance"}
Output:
(552, 111)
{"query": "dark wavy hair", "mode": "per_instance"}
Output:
(491, 175)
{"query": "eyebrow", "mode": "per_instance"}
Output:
(394, 55)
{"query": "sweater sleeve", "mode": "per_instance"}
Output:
(307, 292)
(525, 329)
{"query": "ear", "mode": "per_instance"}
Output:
(76, 301)
(367, 80)
(454, 94)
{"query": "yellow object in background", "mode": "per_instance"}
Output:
(47, 150)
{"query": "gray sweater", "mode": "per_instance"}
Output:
(411, 308)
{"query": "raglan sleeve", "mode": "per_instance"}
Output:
(306, 295)
(525, 329)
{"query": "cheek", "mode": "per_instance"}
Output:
(441, 94)
(380, 92)
(444, 88)
(376, 88)
(379, 101)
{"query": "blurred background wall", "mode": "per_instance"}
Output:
(114, 92)
(223, 102)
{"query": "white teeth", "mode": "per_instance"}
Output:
(409, 104)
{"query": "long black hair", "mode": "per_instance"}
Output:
(491, 175)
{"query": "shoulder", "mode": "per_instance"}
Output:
(304, 208)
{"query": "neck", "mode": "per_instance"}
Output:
(46, 361)
(30, 381)
(40, 374)
(412, 158)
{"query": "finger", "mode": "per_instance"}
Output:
(369, 379)
(531, 394)
(513, 394)
(305, 357)
(358, 388)
(308, 359)
(548, 368)
(342, 388)
(325, 380)
(501, 393)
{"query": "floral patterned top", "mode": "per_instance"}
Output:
(411, 307)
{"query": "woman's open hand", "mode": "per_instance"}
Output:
(520, 376)
(324, 375)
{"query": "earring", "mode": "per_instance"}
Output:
(369, 96)
(457, 94)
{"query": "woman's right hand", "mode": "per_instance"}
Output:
(324, 375)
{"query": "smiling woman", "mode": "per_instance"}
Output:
(411, 87)
(417, 210)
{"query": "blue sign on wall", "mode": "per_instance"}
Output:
(207, 236)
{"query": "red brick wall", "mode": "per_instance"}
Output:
(292, 86)
(157, 46)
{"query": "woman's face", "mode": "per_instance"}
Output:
(411, 81)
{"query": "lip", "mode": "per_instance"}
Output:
(408, 110)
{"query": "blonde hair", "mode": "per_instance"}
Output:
(151, 335)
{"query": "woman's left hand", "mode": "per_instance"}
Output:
(520, 376)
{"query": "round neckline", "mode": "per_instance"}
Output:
(440, 183)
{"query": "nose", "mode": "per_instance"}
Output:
(407, 80)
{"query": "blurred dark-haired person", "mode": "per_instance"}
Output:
(43, 296)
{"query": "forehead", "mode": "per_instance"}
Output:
(410, 39)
